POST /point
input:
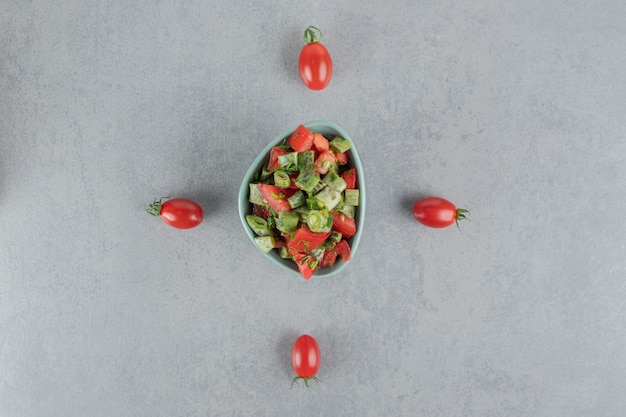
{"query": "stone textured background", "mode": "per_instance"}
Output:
(513, 109)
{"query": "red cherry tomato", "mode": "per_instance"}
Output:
(437, 212)
(315, 64)
(177, 212)
(305, 358)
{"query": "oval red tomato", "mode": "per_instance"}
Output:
(177, 212)
(315, 64)
(305, 359)
(437, 212)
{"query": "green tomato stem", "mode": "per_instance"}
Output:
(306, 380)
(155, 207)
(311, 35)
(461, 214)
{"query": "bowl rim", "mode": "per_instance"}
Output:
(321, 126)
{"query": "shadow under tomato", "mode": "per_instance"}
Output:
(283, 352)
(291, 47)
(407, 202)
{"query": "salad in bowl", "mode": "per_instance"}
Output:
(302, 201)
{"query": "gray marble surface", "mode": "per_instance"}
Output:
(513, 109)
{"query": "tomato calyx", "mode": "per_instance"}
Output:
(312, 35)
(305, 379)
(461, 214)
(156, 206)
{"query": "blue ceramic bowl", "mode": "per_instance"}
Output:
(329, 130)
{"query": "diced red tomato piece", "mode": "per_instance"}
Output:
(330, 256)
(305, 270)
(288, 192)
(343, 250)
(273, 163)
(261, 211)
(304, 266)
(304, 240)
(349, 177)
(342, 158)
(343, 224)
(275, 197)
(320, 143)
(301, 139)
(293, 179)
(324, 161)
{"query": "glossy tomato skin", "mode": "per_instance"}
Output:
(435, 212)
(181, 213)
(315, 66)
(305, 356)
